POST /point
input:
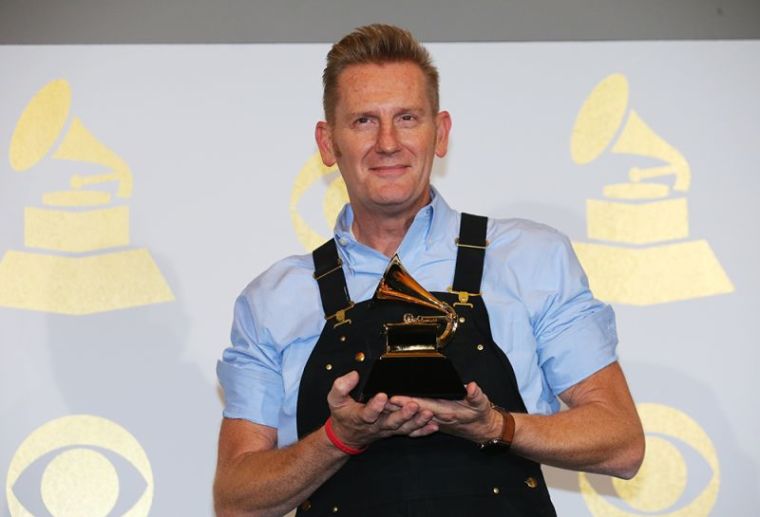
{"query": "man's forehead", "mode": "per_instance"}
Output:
(385, 83)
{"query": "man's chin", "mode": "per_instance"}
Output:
(397, 204)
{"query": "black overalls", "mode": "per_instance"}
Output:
(438, 475)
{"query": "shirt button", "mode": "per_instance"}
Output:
(531, 482)
(462, 319)
(334, 509)
(359, 357)
(496, 490)
(328, 367)
(480, 347)
(343, 241)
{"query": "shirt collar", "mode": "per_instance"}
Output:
(429, 221)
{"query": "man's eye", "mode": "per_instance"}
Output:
(362, 120)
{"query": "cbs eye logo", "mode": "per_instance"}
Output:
(79, 479)
(334, 196)
(678, 453)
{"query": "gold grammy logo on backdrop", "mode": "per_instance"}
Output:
(333, 200)
(661, 482)
(79, 480)
(644, 256)
(82, 222)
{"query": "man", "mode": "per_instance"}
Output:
(304, 335)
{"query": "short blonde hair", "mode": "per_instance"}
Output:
(376, 44)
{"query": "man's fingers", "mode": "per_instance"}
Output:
(347, 382)
(409, 410)
(475, 395)
(428, 429)
(477, 399)
(422, 418)
(402, 420)
(402, 400)
(390, 407)
(424, 427)
(342, 386)
(374, 408)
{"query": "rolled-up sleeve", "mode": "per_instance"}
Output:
(575, 333)
(250, 370)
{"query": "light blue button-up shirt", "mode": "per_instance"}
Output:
(541, 311)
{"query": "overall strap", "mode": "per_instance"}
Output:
(471, 254)
(328, 272)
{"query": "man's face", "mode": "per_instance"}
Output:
(384, 136)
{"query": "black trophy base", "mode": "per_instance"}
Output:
(425, 375)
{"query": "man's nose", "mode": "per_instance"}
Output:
(387, 139)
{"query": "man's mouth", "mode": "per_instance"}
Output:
(389, 169)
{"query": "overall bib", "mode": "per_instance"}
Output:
(438, 475)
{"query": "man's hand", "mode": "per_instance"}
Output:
(600, 432)
(251, 469)
(357, 425)
(471, 418)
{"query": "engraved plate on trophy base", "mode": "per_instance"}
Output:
(413, 366)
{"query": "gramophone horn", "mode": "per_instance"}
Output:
(598, 122)
(398, 285)
(40, 126)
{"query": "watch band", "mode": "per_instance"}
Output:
(507, 431)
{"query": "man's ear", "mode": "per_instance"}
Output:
(442, 129)
(323, 136)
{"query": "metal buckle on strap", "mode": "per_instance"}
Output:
(333, 270)
(473, 246)
(464, 297)
(340, 315)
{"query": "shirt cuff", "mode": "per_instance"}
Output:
(580, 351)
(252, 395)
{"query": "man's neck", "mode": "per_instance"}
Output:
(385, 236)
(384, 232)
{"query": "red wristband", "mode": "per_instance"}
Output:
(351, 451)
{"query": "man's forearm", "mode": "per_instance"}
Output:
(601, 432)
(273, 482)
(589, 438)
(255, 478)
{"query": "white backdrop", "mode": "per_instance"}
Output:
(113, 386)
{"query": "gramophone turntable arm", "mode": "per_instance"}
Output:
(254, 477)
(122, 176)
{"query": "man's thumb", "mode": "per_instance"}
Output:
(342, 387)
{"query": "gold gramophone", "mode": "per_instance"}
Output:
(413, 363)
(78, 258)
(639, 251)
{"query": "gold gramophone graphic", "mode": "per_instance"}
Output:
(644, 257)
(335, 196)
(74, 273)
(413, 363)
